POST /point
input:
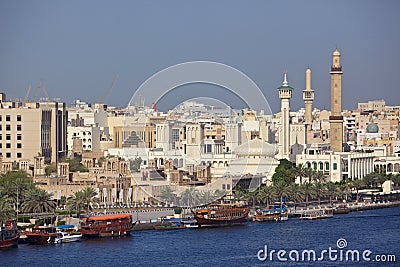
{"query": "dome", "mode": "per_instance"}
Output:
(256, 147)
(336, 52)
(372, 128)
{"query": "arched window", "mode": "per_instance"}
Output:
(327, 166)
(315, 165)
(321, 166)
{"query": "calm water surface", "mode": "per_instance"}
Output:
(377, 230)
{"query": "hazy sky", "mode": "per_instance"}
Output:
(78, 47)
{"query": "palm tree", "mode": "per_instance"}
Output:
(190, 197)
(343, 190)
(357, 184)
(280, 189)
(38, 200)
(307, 190)
(75, 202)
(309, 173)
(320, 190)
(167, 195)
(265, 194)
(331, 191)
(89, 197)
(206, 197)
(251, 196)
(318, 177)
(239, 194)
(294, 193)
(6, 208)
(300, 171)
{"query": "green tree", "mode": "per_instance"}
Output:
(239, 194)
(135, 164)
(331, 191)
(320, 191)
(206, 197)
(6, 208)
(38, 200)
(190, 197)
(89, 197)
(266, 194)
(300, 171)
(343, 190)
(167, 195)
(75, 164)
(307, 190)
(251, 196)
(294, 193)
(284, 172)
(76, 202)
(281, 189)
(357, 184)
(52, 168)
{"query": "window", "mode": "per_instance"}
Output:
(1, 145)
(8, 155)
(335, 166)
(8, 145)
(1, 118)
(315, 165)
(19, 136)
(19, 127)
(327, 166)
(19, 155)
(8, 136)
(19, 118)
(1, 127)
(321, 166)
(19, 145)
(1, 137)
(228, 187)
(223, 186)
(8, 127)
(207, 148)
(8, 118)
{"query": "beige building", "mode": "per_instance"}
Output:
(31, 129)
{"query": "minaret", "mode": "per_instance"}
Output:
(308, 97)
(336, 118)
(285, 93)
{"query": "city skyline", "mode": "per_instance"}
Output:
(78, 49)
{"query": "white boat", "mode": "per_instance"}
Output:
(190, 223)
(66, 237)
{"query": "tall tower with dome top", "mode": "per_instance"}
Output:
(336, 118)
(285, 94)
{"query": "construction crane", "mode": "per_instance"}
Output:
(37, 90)
(27, 94)
(111, 88)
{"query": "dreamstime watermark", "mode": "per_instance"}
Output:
(339, 253)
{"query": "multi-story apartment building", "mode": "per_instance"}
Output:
(31, 129)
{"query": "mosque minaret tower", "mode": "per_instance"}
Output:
(285, 93)
(308, 97)
(336, 118)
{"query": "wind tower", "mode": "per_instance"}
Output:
(336, 118)
(308, 97)
(285, 93)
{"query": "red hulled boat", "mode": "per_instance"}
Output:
(107, 225)
(221, 215)
(9, 235)
(41, 235)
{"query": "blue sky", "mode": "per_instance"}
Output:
(77, 47)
